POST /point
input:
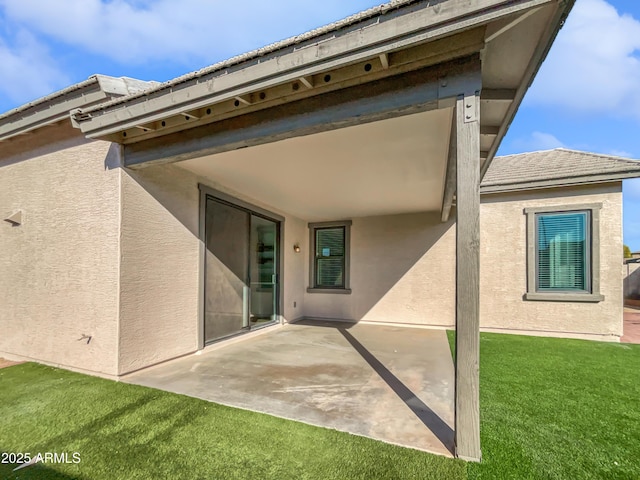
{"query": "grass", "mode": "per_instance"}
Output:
(558, 409)
(550, 408)
(129, 432)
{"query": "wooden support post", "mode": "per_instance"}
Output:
(467, 383)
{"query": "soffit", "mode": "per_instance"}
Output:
(380, 168)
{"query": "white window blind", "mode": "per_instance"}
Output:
(330, 257)
(563, 251)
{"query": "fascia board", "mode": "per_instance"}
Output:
(400, 31)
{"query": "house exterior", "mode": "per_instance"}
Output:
(564, 192)
(334, 175)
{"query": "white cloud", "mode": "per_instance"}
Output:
(138, 31)
(537, 141)
(27, 69)
(594, 64)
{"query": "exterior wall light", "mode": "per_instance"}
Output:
(296, 248)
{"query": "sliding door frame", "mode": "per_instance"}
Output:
(206, 191)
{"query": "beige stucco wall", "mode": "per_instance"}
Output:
(159, 267)
(402, 267)
(115, 254)
(503, 276)
(402, 271)
(59, 269)
(160, 264)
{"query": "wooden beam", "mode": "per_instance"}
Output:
(498, 94)
(307, 81)
(489, 130)
(243, 99)
(450, 179)
(439, 51)
(467, 381)
(190, 115)
(384, 60)
(145, 128)
(412, 92)
(398, 29)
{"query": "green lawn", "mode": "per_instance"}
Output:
(551, 408)
(558, 409)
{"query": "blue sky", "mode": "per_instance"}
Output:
(586, 96)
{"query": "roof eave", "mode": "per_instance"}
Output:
(561, 182)
(353, 44)
(56, 106)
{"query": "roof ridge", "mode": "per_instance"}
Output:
(529, 153)
(573, 150)
(561, 165)
(602, 155)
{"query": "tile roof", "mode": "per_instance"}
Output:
(266, 50)
(556, 167)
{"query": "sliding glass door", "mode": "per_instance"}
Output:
(241, 269)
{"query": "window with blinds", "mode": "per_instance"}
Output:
(330, 257)
(563, 249)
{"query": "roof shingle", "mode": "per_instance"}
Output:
(556, 167)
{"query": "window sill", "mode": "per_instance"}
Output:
(564, 297)
(342, 291)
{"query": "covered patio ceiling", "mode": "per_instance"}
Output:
(391, 166)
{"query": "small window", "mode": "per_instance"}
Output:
(329, 265)
(563, 252)
(563, 260)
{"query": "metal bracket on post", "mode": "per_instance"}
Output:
(471, 107)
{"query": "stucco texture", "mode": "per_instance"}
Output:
(160, 265)
(503, 267)
(115, 254)
(402, 271)
(59, 278)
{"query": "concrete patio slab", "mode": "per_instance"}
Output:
(393, 384)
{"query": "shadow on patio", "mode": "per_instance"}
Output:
(393, 384)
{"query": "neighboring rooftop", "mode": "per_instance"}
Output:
(558, 167)
(57, 105)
